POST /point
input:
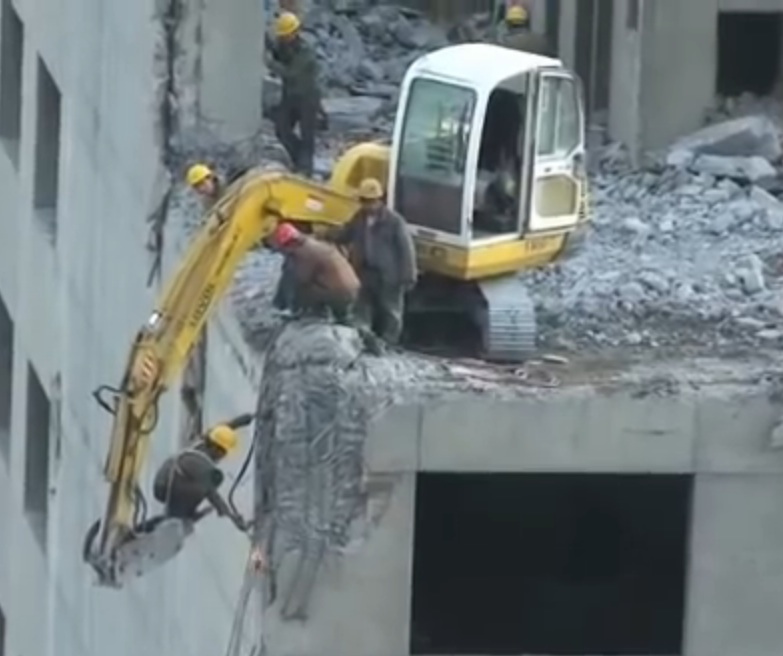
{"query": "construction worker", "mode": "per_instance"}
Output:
(186, 479)
(325, 280)
(515, 33)
(205, 182)
(294, 61)
(384, 257)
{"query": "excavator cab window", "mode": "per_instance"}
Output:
(432, 155)
(496, 207)
(557, 172)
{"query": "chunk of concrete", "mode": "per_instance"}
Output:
(747, 169)
(750, 136)
(351, 113)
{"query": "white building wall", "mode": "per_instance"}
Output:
(76, 303)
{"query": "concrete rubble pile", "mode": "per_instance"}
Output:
(687, 251)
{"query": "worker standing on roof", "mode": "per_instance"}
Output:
(515, 33)
(384, 257)
(325, 280)
(205, 182)
(294, 61)
(188, 478)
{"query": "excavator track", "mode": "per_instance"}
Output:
(509, 325)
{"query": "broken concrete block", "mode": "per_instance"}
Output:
(749, 169)
(751, 136)
(751, 275)
(679, 158)
(776, 435)
(765, 199)
(351, 113)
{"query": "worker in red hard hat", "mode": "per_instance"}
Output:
(325, 280)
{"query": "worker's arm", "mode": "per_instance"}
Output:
(345, 234)
(209, 477)
(407, 254)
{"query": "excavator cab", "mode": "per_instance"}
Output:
(488, 167)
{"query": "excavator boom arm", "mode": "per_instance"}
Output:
(247, 213)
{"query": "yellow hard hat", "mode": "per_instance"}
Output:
(197, 174)
(287, 24)
(224, 437)
(516, 14)
(370, 189)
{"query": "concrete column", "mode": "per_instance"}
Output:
(538, 16)
(567, 33)
(231, 51)
(679, 64)
(624, 100)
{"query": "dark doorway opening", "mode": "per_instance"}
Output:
(557, 564)
(594, 52)
(749, 52)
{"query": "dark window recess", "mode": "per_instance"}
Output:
(11, 52)
(2, 632)
(36, 482)
(47, 149)
(6, 377)
(749, 53)
(557, 564)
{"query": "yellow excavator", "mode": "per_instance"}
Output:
(487, 165)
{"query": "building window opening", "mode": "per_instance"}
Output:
(47, 150)
(11, 49)
(36, 481)
(749, 53)
(2, 632)
(6, 377)
(566, 564)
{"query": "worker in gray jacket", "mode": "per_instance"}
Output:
(383, 255)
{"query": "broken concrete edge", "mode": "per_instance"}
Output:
(639, 416)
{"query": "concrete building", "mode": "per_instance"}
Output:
(656, 67)
(81, 86)
(686, 547)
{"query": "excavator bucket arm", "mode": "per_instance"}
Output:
(248, 212)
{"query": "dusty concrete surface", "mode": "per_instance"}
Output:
(339, 449)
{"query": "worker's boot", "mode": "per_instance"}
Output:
(373, 344)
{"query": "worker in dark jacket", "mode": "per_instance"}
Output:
(515, 33)
(384, 257)
(205, 182)
(325, 280)
(185, 480)
(295, 63)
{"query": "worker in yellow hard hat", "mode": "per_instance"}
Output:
(294, 61)
(206, 183)
(515, 32)
(384, 257)
(192, 476)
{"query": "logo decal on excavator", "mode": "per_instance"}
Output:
(203, 305)
(432, 252)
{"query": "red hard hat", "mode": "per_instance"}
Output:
(285, 234)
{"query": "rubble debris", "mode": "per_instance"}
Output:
(750, 136)
(676, 258)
